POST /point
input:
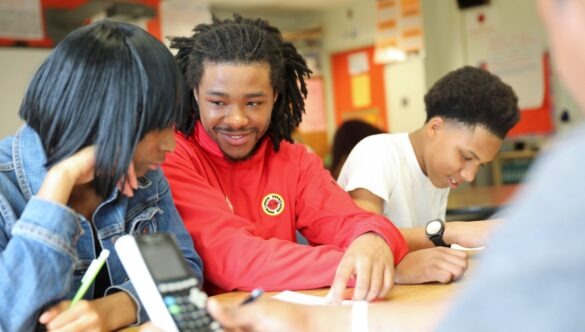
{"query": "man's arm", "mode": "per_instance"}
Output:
(235, 257)
(327, 214)
(424, 263)
(467, 234)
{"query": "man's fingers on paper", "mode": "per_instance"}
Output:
(388, 281)
(344, 272)
(376, 282)
(363, 271)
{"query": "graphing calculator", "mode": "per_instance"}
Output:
(166, 287)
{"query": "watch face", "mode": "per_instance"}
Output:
(433, 227)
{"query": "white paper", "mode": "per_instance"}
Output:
(462, 248)
(300, 298)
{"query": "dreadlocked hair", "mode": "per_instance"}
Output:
(246, 41)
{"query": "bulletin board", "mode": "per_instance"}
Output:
(20, 15)
(518, 57)
(358, 87)
(538, 120)
(312, 130)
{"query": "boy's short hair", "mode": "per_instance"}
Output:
(474, 97)
(106, 84)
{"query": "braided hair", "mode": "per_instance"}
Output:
(246, 41)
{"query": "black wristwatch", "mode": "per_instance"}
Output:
(435, 229)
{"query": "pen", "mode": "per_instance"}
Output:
(255, 294)
(89, 276)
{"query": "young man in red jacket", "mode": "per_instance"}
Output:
(243, 188)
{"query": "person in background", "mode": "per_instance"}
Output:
(83, 171)
(407, 176)
(531, 275)
(346, 137)
(243, 189)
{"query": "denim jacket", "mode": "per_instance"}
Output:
(46, 247)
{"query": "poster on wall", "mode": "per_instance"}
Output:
(515, 56)
(399, 30)
(358, 87)
(21, 19)
(314, 119)
(519, 59)
(44, 23)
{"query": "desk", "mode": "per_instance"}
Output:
(478, 202)
(399, 294)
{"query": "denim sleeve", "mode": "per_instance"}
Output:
(37, 258)
(173, 223)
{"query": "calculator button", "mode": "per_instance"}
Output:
(174, 309)
(170, 300)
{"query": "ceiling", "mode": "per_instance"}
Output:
(279, 5)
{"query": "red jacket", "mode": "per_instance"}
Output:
(243, 215)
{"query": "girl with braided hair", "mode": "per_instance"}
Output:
(243, 188)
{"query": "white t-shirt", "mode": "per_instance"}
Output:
(385, 164)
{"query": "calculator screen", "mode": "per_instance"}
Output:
(164, 261)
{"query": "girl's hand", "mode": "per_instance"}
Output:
(107, 313)
(83, 316)
(63, 176)
(127, 187)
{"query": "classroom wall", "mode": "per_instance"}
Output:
(446, 47)
(347, 27)
(17, 66)
(405, 86)
(446, 50)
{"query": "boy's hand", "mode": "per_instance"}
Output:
(470, 234)
(370, 260)
(433, 264)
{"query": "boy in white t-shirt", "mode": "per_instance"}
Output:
(407, 176)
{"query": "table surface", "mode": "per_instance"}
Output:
(431, 292)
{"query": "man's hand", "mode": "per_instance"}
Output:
(261, 316)
(370, 260)
(433, 264)
(470, 234)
